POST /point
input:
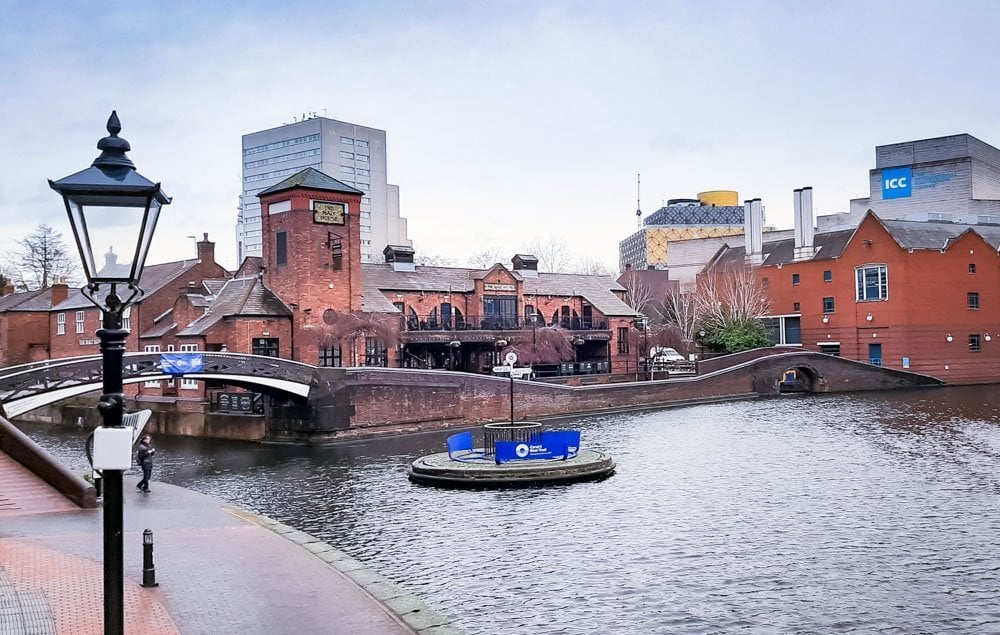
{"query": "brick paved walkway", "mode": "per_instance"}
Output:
(21, 492)
(220, 571)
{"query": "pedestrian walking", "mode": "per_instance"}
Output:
(144, 457)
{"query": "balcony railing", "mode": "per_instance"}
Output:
(497, 323)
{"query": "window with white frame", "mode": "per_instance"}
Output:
(127, 318)
(186, 383)
(152, 348)
(60, 324)
(873, 283)
(784, 330)
(79, 321)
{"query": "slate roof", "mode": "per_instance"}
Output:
(907, 234)
(597, 290)
(936, 235)
(39, 300)
(245, 296)
(154, 278)
(312, 179)
(828, 245)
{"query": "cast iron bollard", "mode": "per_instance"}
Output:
(148, 570)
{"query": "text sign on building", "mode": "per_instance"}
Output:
(490, 286)
(897, 183)
(329, 213)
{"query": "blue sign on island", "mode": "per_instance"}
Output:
(555, 444)
(182, 363)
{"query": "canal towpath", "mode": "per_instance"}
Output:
(220, 569)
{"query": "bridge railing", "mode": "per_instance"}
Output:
(461, 322)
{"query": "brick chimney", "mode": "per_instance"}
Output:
(206, 250)
(8, 289)
(59, 292)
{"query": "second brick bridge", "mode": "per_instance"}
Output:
(327, 404)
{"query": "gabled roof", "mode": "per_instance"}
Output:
(908, 234)
(311, 179)
(381, 278)
(38, 300)
(154, 278)
(828, 245)
(937, 235)
(245, 296)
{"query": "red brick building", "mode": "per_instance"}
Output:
(309, 298)
(919, 296)
(24, 323)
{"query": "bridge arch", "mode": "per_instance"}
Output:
(30, 386)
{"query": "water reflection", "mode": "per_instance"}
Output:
(858, 513)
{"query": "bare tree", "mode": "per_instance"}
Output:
(42, 259)
(346, 328)
(591, 267)
(545, 345)
(730, 304)
(486, 258)
(433, 260)
(730, 296)
(680, 312)
(552, 253)
(638, 294)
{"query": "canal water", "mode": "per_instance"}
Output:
(817, 514)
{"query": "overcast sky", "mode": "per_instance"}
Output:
(506, 121)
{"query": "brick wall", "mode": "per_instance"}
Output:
(927, 301)
(371, 401)
(311, 280)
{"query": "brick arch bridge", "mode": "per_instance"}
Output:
(348, 403)
(24, 388)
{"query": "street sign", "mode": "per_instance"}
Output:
(510, 358)
(521, 372)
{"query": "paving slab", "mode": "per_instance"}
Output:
(220, 570)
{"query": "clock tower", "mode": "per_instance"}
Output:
(311, 239)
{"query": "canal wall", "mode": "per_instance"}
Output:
(365, 402)
(355, 403)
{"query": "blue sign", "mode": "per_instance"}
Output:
(182, 363)
(897, 183)
(556, 444)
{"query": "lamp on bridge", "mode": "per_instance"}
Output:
(111, 206)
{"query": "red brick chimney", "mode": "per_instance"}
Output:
(206, 250)
(8, 289)
(60, 291)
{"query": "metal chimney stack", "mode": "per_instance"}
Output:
(803, 201)
(753, 231)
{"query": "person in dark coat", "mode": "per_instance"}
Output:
(144, 457)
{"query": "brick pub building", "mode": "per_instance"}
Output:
(309, 298)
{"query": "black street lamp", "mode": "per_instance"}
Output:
(110, 204)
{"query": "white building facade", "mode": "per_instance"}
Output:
(350, 153)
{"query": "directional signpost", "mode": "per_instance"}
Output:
(511, 359)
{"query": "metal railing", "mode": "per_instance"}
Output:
(497, 323)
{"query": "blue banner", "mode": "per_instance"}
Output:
(182, 363)
(459, 442)
(556, 444)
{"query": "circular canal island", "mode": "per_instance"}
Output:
(850, 513)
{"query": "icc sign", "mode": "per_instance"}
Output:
(897, 183)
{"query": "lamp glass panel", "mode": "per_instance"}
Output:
(80, 232)
(110, 237)
(146, 237)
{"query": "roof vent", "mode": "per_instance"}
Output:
(400, 257)
(526, 265)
